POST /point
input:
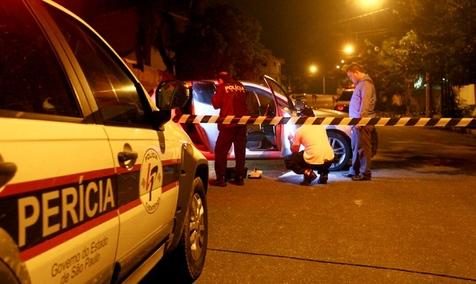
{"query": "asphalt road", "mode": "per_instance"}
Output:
(414, 222)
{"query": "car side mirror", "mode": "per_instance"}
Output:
(171, 94)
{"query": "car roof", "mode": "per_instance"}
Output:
(246, 84)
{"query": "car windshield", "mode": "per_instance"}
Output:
(203, 91)
(345, 96)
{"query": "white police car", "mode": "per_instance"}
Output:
(95, 184)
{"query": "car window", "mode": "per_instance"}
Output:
(203, 92)
(266, 106)
(252, 102)
(345, 96)
(31, 77)
(280, 94)
(114, 91)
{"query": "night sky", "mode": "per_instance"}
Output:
(302, 32)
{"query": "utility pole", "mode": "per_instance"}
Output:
(427, 94)
(323, 84)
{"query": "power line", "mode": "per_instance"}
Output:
(364, 15)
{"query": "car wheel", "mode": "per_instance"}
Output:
(7, 275)
(12, 269)
(188, 259)
(342, 151)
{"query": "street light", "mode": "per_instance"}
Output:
(313, 69)
(370, 4)
(348, 49)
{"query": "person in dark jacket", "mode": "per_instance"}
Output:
(230, 98)
(362, 104)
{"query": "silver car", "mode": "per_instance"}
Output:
(263, 141)
(343, 101)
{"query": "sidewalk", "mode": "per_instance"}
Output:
(470, 131)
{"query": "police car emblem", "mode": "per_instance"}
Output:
(150, 181)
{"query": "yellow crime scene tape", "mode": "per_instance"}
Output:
(310, 120)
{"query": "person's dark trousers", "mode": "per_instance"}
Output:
(322, 169)
(229, 135)
(361, 140)
(296, 163)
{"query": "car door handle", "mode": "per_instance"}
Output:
(7, 171)
(127, 159)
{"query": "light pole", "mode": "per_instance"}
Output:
(313, 70)
(323, 83)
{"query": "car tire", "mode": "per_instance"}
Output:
(7, 275)
(342, 150)
(185, 263)
(12, 269)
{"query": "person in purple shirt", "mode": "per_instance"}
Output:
(362, 104)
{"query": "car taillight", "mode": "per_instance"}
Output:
(339, 107)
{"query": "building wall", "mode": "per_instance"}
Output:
(466, 94)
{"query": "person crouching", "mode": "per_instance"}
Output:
(317, 154)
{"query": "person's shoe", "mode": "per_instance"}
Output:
(307, 180)
(218, 182)
(361, 177)
(348, 175)
(239, 181)
(322, 179)
(309, 177)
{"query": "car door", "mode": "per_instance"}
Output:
(261, 138)
(147, 174)
(58, 218)
(284, 107)
(201, 104)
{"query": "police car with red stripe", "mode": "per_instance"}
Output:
(96, 185)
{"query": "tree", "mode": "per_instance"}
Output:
(437, 39)
(224, 38)
(156, 28)
(446, 28)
